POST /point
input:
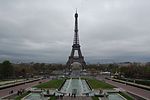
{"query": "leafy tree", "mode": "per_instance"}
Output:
(6, 70)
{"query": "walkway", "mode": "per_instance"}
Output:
(134, 90)
(132, 83)
(76, 98)
(6, 91)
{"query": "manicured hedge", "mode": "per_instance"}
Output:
(138, 81)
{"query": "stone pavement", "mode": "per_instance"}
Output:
(131, 89)
(131, 83)
(76, 98)
(6, 91)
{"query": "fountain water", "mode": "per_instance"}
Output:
(77, 86)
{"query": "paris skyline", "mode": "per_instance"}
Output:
(42, 31)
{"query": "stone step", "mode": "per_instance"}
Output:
(75, 98)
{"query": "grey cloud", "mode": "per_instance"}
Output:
(37, 30)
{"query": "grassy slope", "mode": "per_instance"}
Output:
(52, 98)
(95, 98)
(126, 96)
(20, 97)
(51, 84)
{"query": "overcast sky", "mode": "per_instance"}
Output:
(42, 30)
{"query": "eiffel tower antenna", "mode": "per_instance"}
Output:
(76, 10)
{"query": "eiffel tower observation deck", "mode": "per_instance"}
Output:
(76, 47)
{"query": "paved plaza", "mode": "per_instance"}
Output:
(131, 89)
(6, 91)
(134, 90)
(76, 98)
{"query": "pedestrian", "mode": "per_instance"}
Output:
(69, 94)
(11, 91)
(18, 92)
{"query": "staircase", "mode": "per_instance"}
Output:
(74, 98)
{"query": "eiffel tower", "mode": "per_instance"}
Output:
(76, 47)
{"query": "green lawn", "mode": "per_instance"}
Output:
(126, 96)
(51, 84)
(94, 98)
(21, 96)
(52, 98)
(96, 84)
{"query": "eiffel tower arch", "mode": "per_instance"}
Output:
(76, 47)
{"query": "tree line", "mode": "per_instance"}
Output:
(9, 70)
(131, 70)
(25, 70)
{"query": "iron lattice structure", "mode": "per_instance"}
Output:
(76, 47)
